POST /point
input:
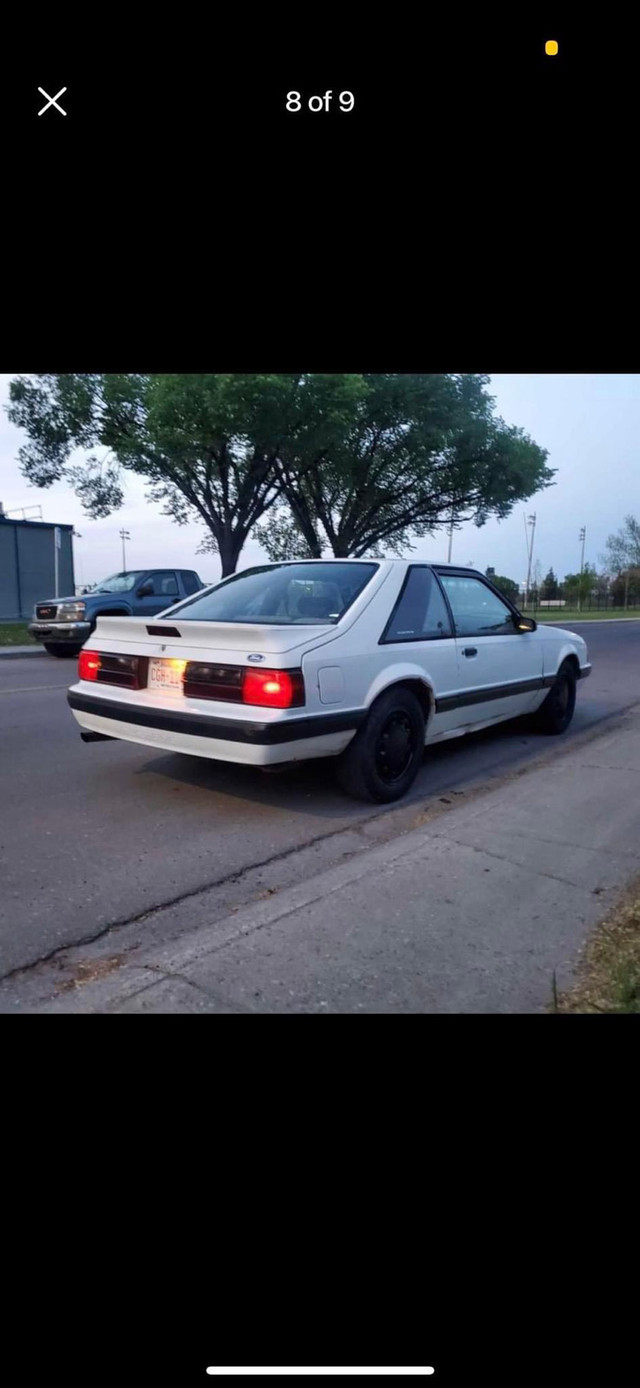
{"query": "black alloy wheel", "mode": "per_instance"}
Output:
(383, 759)
(555, 714)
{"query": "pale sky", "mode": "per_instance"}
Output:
(589, 423)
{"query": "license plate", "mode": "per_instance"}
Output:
(166, 676)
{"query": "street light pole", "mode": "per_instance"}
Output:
(582, 536)
(124, 535)
(532, 523)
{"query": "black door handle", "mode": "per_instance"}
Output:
(470, 650)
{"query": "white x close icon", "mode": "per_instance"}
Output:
(52, 101)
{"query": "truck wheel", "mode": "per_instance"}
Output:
(383, 760)
(555, 714)
(62, 651)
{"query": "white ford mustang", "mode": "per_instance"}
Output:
(365, 661)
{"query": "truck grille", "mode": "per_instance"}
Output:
(45, 612)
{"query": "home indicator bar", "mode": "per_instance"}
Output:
(387, 1373)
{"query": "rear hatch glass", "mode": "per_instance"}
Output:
(295, 594)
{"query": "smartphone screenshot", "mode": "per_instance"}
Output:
(319, 673)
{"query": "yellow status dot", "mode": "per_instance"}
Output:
(551, 48)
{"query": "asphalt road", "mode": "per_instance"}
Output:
(96, 836)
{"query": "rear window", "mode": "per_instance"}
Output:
(283, 594)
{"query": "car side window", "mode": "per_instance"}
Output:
(476, 610)
(421, 613)
(189, 582)
(164, 584)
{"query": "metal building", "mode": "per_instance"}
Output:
(33, 555)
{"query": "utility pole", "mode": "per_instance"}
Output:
(124, 535)
(582, 536)
(531, 521)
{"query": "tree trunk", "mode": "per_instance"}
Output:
(302, 517)
(229, 549)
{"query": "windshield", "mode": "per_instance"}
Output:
(119, 583)
(283, 594)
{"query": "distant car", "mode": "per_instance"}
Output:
(362, 661)
(64, 624)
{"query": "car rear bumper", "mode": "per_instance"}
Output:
(51, 632)
(243, 740)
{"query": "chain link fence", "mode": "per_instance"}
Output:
(617, 598)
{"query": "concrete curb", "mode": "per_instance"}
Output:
(588, 622)
(477, 910)
(19, 652)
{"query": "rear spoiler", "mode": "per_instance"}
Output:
(223, 636)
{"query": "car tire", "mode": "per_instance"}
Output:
(555, 714)
(384, 758)
(62, 651)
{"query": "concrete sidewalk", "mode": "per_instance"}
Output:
(7, 652)
(473, 911)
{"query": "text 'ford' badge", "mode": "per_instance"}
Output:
(255, 659)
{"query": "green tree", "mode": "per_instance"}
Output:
(508, 586)
(549, 589)
(215, 447)
(355, 463)
(283, 538)
(622, 550)
(625, 587)
(578, 587)
(421, 449)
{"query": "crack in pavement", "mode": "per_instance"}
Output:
(254, 927)
(153, 911)
(423, 805)
(566, 843)
(604, 766)
(167, 975)
(527, 867)
(198, 988)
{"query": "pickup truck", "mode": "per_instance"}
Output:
(63, 624)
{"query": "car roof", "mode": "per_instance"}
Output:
(395, 563)
(334, 559)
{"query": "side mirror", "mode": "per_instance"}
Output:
(525, 623)
(146, 591)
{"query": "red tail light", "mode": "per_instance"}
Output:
(126, 671)
(273, 688)
(88, 665)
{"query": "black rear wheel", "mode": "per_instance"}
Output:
(383, 759)
(62, 651)
(555, 714)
